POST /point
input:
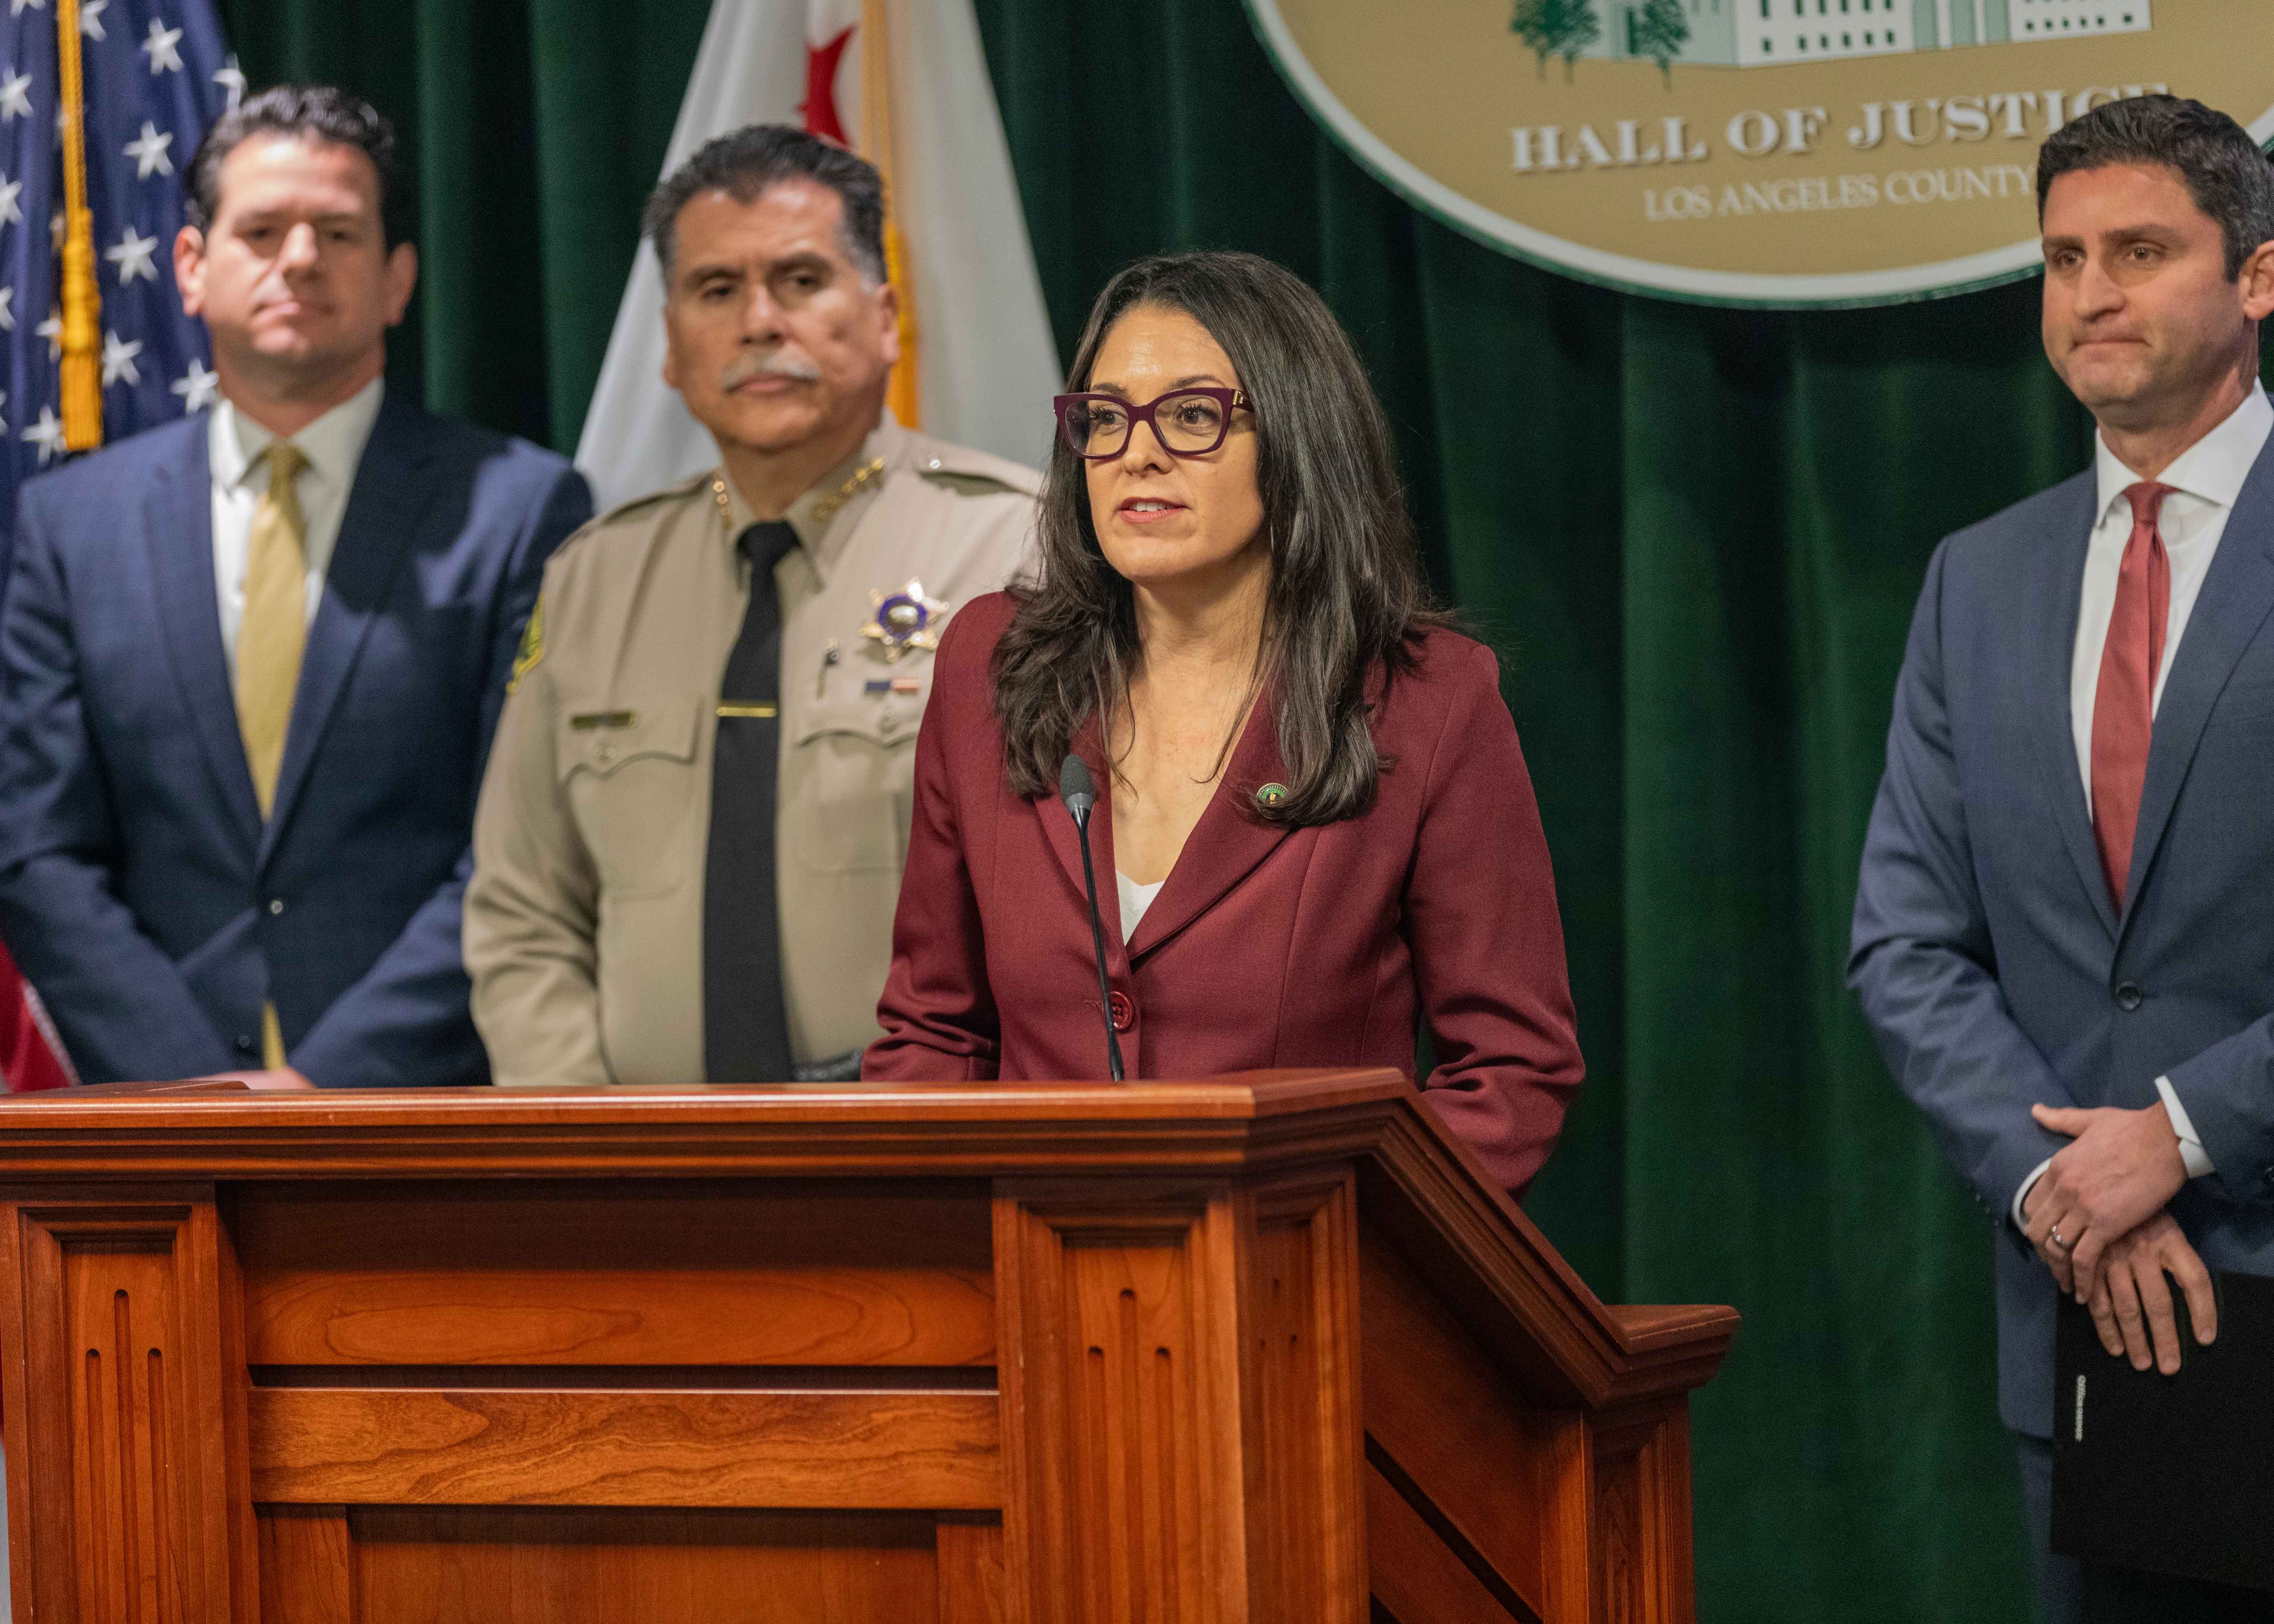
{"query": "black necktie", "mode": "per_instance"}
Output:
(745, 1030)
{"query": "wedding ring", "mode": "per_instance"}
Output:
(2056, 1239)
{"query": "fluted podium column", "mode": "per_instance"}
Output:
(1182, 1434)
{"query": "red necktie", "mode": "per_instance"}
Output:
(2124, 712)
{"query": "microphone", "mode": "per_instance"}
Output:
(1078, 790)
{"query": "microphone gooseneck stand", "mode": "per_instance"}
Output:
(1078, 790)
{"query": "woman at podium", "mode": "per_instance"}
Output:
(1309, 796)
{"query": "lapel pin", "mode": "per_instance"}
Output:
(1271, 796)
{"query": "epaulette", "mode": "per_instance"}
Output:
(970, 471)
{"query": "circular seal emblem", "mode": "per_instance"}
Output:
(1781, 152)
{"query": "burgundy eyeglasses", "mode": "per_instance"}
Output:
(1190, 422)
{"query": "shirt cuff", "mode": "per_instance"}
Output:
(2191, 1150)
(2028, 1184)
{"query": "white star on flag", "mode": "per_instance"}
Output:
(198, 387)
(52, 330)
(159, 48)
(149, 152)
(4, 421)
(16, 8)
(46, 434)
(9, 208)
(7, 310)
(15, 94)
(119, 360)
(231, 78)
(131, 256)
(90, 19)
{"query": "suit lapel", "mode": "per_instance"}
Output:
(378, 531)
(2238, 594)
(2057, 595)
(177, 527)
(1229, 841)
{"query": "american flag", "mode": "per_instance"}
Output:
(154, 74)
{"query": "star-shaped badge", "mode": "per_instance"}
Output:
(904, 620)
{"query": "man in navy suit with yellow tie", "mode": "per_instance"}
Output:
(253, 659)
(2063, 932)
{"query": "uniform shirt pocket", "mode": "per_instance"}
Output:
(849, 776)
(628, 772)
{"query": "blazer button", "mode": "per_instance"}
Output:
(2129, 996)
(1124, 1014)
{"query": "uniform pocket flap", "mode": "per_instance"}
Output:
(871, 708)
(600, 738)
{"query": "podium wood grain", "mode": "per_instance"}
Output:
(1266, 1349)
(487, 1446)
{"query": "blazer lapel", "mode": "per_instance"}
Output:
(177, 527)
(2238, 594)
(1229, 841)
(385, 507)
(1066, 840)
(2056, 597)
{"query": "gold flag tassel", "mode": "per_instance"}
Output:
(82, 300)
(902, 394)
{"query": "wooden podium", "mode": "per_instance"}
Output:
(1268, 1347)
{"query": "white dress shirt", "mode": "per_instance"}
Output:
(333, 444)
(2205, 481)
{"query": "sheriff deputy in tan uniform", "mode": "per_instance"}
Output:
(689, 846)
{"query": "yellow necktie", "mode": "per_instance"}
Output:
(270, 640)
(275, 631)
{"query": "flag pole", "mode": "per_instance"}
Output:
(902, 394)
(82, 296)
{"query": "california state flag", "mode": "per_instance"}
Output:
(904, 82)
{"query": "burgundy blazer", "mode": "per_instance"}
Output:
(1268, 946)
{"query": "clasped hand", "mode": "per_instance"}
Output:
(2104, 1195)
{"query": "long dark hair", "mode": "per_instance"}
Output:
(1347, 592)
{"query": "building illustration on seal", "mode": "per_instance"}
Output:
(1758, 34)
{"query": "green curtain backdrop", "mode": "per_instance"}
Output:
(1695, 534)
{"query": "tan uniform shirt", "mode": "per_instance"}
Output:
(583, 920)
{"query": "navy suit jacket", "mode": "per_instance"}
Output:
(1993, 966)
(139, 889)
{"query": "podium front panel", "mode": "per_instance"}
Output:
(1262, 1350)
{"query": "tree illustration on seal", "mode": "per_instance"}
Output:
(1660, 31)
(1556, 28)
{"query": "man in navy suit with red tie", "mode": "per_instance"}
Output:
(2063, 932)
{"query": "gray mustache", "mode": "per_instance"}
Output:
(769, 366)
